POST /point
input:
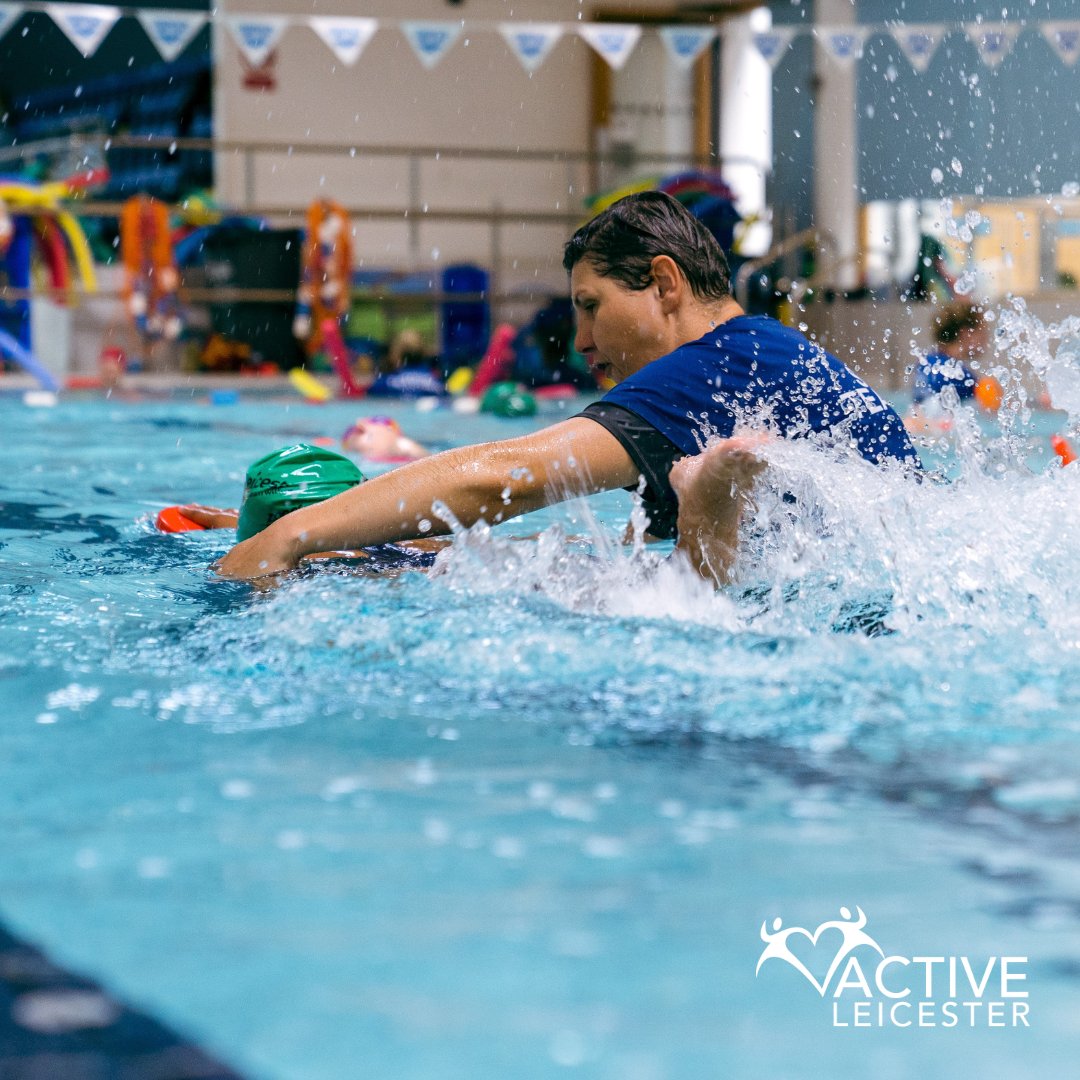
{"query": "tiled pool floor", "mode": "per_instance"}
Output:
(55, 1025)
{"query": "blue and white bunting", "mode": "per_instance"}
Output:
(918, 43)
(9, 13)
(994, 41)
(256, 35)
(85, 25)
(171, 31)
(346, 37)
(686, 43)
(1064, 39)
(613, 41)
(845, 45)
(531, 42)
(431, 41)
(772, 44)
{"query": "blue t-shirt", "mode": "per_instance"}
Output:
(753, 368)
(937, 371)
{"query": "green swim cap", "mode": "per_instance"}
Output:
(508, 399)
(288, 479)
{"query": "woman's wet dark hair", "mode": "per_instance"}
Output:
(622, 242)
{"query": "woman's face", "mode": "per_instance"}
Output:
(619, 330)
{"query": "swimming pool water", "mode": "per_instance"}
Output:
(525, 815)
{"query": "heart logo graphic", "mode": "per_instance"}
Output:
(778, 947)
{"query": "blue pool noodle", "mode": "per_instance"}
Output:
(10, 348)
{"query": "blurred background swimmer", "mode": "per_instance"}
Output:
(380, 439)
(408, 371)
(962, 337)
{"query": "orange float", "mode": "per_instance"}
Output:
(1064, 449)
(988, 393)
(150, 275)
(171, 520)
(326, 283)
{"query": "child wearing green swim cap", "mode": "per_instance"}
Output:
(293, 477)
(278, 483)
(287, 479)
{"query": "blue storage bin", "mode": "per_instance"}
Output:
(465, 325)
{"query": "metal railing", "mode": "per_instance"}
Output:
(799, 241)
(412, 210)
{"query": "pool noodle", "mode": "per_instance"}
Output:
(17, 263)
(80, 249)
(10, 348)
(53, 254)
(339, 355)
(497, 364)
(309, 386)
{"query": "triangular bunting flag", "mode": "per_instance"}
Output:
(171, 31)
(1063, 38)
(431, 41)
(772, 44)
(919, 43)
(346, 37)
(257, 34)
(844, 46)
(686, 43)
(613, 41)
(8, 15)
(531, 42)
(85, 25)
(993, 40)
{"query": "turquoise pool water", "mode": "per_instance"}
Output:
(527, 814)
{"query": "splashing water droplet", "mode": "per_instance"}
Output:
(965, 283)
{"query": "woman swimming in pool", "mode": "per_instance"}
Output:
(655, 314)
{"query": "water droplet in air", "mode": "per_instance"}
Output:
(965, 283)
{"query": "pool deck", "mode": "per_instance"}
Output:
(170, 384)
(55, 1025)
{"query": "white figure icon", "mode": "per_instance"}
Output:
(852, 934)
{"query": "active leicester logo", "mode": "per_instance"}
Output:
(871, 988)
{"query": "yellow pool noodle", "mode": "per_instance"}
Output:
(309, 386)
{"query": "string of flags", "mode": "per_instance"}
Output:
(87, 25)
